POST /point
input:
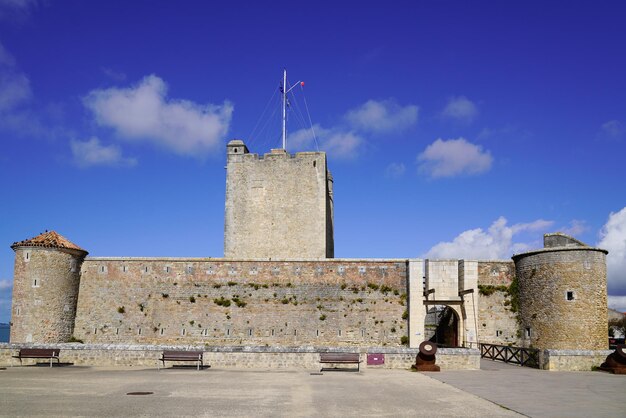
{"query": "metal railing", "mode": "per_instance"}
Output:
(528, 357)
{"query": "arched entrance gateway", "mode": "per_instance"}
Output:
(442, 326)
(443, 308)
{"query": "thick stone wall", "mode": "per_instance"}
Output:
(497, 320)
(572, 360)
(45, 292)
(563, 298)
(242, 302)
(277, 206)
(246, 357)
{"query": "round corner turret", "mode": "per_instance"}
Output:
(46, 280)
(563, 295)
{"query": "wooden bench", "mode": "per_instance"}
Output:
(182, 356)
(341, 358)
(47, 353)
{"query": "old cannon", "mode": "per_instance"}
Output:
(616, 361)
(425, 359)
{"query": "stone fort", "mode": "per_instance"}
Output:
(279, 285)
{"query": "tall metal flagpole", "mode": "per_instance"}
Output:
(285, 109)
(286, 89)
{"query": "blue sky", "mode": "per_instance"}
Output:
(453, 129)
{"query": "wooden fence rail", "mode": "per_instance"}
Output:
(528, 357)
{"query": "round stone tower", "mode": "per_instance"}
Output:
(563, 295)
(45, 289)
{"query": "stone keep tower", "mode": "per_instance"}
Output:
(277, 205)
(45, 289)
(563, 295)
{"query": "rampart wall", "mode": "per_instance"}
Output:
(497, 317)
(232, 302)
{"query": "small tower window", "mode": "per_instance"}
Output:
(36, 283)
(569, 295)
(161, 332)
(498, 333)
(73, 265)
(527, 333)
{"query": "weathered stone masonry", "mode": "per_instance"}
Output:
(161, 301)
(278, 205)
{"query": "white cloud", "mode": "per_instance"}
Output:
(618, 303)
(494, 243)
(14, 85)
(613, 239)
(461, 109)
(448, 158)
(395, 170)
(6, 284)
(337, 142)
(382, 116)
(576, 227)
(17, 10)
(613, 129)
(91, 153)
(143, 113)
(113, 75)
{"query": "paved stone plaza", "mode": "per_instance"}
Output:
(99, 391)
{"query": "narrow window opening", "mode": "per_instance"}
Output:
(228, 331)
(146, 269)
(139, 331)
(35, 283)
(314, 164)
(498, 333)
(161, 332)
(17, 311)
(117, 331)
(317, 332)
(570, 295)
(295, 332)
(124, 269)
(250, 332)
(362, 332)
(95, 330)
(272, 332)
(183, 332)
(27, 255)
(102, 269)
(528, 332)
(339, 333)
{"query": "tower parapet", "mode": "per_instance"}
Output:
(563, 295)
(45, 288)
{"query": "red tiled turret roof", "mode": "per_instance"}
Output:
(49, 239)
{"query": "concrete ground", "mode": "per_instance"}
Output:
(540, 393)
(99, 391)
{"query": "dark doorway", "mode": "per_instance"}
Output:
(446, 327)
